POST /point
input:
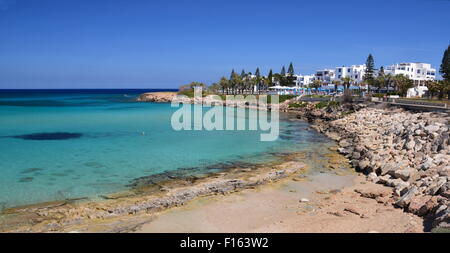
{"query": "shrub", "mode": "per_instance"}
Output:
(321, 105)
(333, 104)
(298, 105)
(282, 98)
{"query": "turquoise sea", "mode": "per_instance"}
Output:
(58, 144)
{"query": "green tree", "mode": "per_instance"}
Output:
(214, 88)
(291, 69)
(316, 84)
(402, 83)
(278, 78)
(283, 71)
(370, 69)
(445, 71)
(379, 81)
(270, 78)
(257, 73)
(243, 74)
(336, 85)
(290, 78)
(232, 74)
(224, 84)
(235, 83)
(437, 87)
(381, 71)
(347, 82)
(258, 80)
(445, 65)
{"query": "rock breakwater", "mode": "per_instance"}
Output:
(407, 151)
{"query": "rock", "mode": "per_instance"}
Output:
(374, 193)
(436, 185)
(405, 199)
(401, 188)
(410, 145)
(303, 200)
(432, 128)
(391, 167)
(372, 177)
(337, 214)
(404, 174)
(157, 97)
(344, 143)
(446, 194)
(417, 203)
(405, 150)
(442, 217)
(352, 210)
(427, 164)
(356, 155)
(364, 164)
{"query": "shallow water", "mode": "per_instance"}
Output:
(71, 144)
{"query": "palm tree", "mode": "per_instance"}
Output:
(235, 83)
(347, 97)
(224, 84)
(347, 81)
(316, 84)
(387, 81)
(336, 84)
(437, 87)
(402, 83)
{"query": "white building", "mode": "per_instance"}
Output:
(418, 72)
(355, 72)
(325, 75)
(303, 80)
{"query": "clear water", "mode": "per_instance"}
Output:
(120, 140)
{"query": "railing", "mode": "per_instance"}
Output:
(418, 102)
(315, 99)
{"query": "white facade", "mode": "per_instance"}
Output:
(419, 72)
(325, 75)
(418, 91)
(303, 80)
(355, 72)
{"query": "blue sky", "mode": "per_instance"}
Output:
(164, 44)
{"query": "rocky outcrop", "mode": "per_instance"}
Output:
(157, 97)
(409, 152)
(67, 215)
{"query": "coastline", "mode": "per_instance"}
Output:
(136, 209)
(408, 152)
(296, 197)
(61, 216)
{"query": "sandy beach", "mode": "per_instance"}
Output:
(333, 206)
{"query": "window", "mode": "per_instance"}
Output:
(418, 71)
(348, 70)
(356, 76)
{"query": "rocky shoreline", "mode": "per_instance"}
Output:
(157, 97)
(406, 151)
(67, 216)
